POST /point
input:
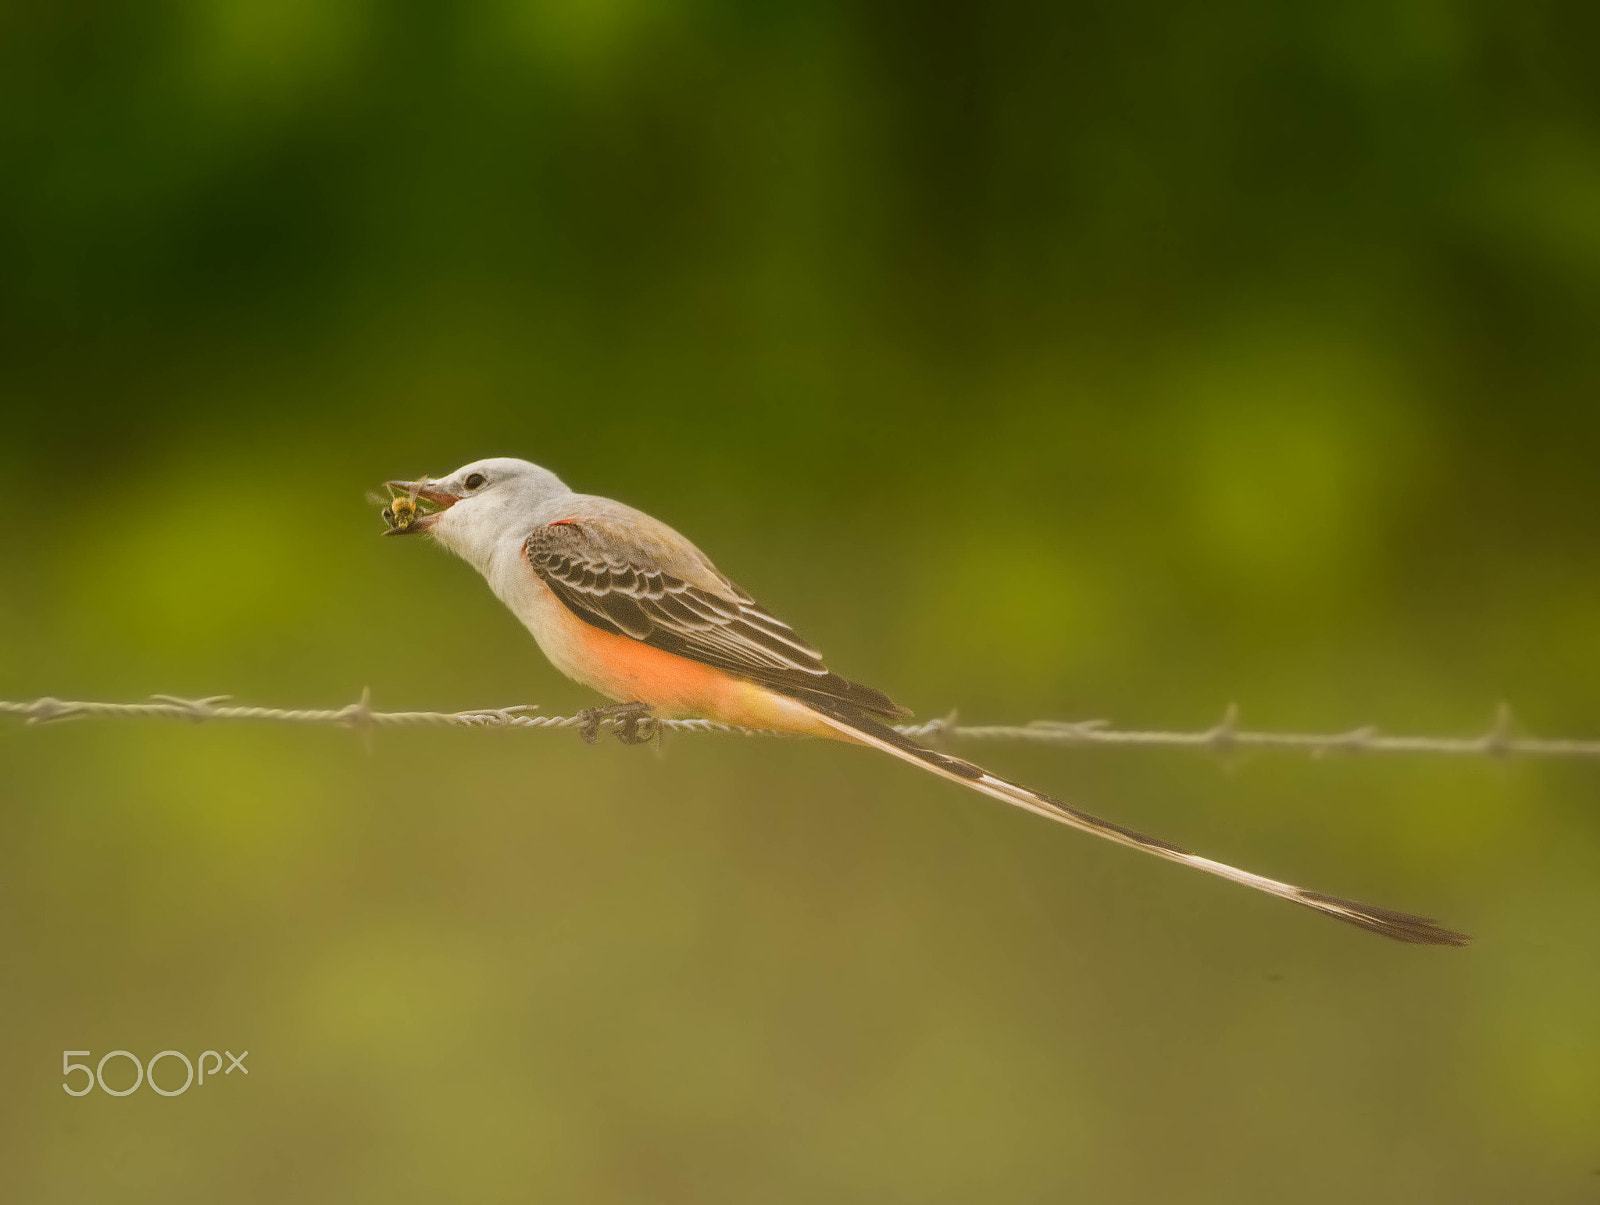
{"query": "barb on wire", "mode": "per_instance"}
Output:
(1499, 740)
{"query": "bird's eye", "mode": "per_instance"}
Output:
(474, 481)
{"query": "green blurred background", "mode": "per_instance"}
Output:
(1064, 360)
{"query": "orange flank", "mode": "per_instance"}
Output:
(676, 686)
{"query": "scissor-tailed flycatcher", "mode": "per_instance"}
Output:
(621, 602)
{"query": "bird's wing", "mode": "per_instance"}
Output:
(642, 580)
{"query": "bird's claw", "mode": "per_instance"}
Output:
(635, 724)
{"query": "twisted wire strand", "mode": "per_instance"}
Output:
(1499, 740)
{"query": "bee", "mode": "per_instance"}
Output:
(400, 512)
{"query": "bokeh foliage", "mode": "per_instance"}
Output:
(1046, 360)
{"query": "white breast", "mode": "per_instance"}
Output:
(560, 634)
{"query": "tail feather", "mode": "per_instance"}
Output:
(1398, 925)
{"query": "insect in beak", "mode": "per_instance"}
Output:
(403, 515)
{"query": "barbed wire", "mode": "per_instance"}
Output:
(1499, 740)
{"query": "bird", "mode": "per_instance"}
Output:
(620, 602)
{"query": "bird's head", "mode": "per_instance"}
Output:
(479, 504)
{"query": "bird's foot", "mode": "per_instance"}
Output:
(635, 724)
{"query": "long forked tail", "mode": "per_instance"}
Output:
(1398, 925)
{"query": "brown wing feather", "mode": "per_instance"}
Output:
(619, 591)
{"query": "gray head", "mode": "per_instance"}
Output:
(483, 503)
